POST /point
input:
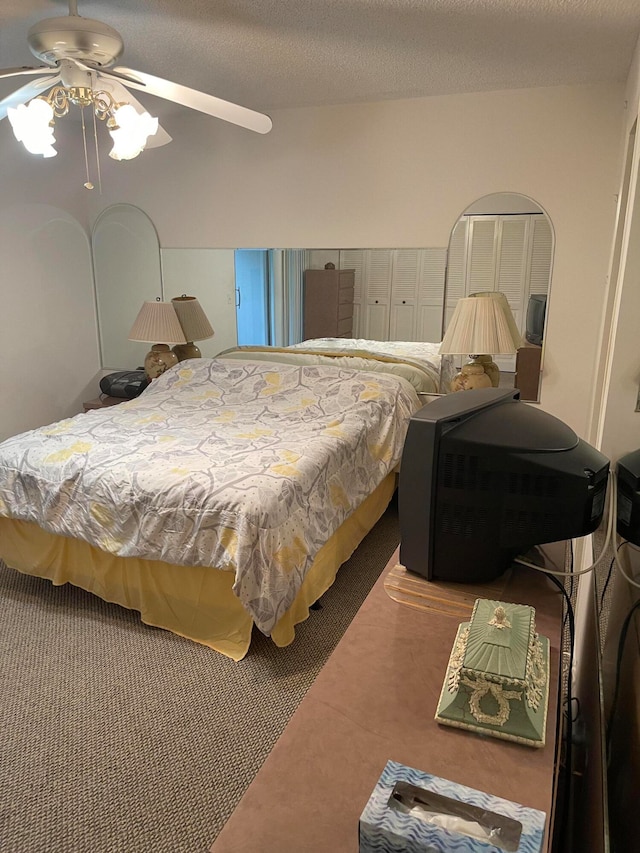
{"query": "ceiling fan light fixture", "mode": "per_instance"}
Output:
(79, 51)
(130, 131)
(32, 124)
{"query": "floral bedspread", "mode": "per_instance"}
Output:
(247, 466)
(441, 367)
(420, 373)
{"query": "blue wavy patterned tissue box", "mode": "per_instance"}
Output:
(414, 812)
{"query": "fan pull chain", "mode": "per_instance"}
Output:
(95, 139)
(87, 183)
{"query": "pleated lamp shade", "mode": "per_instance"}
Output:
(194, 322)
(195, 325)
(481, 326)
(157, 322)
(497, 294)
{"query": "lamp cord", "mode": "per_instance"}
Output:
(568, 755)
(614, 704)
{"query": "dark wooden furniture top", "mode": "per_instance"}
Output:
(101, 402)
(375, 700)
(527, 378)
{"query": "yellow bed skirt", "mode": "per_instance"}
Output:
(195, 602)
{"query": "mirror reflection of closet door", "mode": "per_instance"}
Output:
(126, 263)
(506, 252)
(398, 294)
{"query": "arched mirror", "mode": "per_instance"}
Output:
(503, 244)
(126, 268)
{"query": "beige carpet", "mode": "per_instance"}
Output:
(119, 738)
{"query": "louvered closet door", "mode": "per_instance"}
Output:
(513, 263)
(404, 295)
(431, 282)
(353, 259)
(541, 252)
(482, 255)
(376, 294)
(511, 272)
(456, 269)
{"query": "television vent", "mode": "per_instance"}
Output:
(521, 522)
(465, 521)
(460, 471)
(537, 485)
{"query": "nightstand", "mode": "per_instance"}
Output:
(527, 378)
(102, 402)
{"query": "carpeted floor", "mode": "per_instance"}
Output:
(120, 738)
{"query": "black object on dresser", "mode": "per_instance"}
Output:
(125, 383)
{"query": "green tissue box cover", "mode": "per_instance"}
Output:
(497, 679)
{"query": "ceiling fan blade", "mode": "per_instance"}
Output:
(25, 70)
(26, 93)
(122, 95)
(196, 100)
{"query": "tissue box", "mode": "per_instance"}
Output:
(414, 812)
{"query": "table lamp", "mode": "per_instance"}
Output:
(158, 321)
(194, 323)
(481, 328)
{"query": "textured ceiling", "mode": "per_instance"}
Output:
(268, 54)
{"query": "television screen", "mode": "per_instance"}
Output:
(536, 310)
(484, 477)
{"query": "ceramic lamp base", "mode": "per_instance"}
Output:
(471, 376)
(490, 367)
(159, 359)
(188, 350)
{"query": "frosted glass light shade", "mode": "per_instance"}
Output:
(32, 124)
(131, 131)
(157, 322)
(481, 326)
(194, 322)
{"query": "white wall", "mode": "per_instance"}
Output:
(618, 429)
(399, 173)
(209, 275)
(48, 328)
(394, 173)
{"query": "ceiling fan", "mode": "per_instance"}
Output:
(77, 52)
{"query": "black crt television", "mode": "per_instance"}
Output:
(628, 494)
(536, 311)
(484, 477)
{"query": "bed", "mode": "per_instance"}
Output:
(441, 368)
(225, 496)
(419, 362)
